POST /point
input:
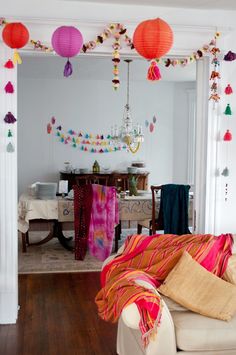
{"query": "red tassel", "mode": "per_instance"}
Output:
(153, 72)
(228, 90)
(9, 64)
(228, 136)
(9, 89)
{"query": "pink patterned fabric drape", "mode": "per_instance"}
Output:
(103, 219)
(95, 218)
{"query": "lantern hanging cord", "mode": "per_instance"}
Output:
(128, 62)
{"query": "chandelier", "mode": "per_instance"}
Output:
(128, 133)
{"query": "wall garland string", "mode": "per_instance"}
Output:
(86, 142)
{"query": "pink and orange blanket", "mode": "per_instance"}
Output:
(152, 258)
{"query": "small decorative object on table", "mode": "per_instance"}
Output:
(133, 185)
(96, 167)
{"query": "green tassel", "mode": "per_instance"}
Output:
(228, 110)
(9, 134)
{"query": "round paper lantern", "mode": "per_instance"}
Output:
(153, 38)
(15, 35)
(67, 41)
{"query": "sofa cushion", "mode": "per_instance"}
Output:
(230, 272)
(195, 332)
(197, 289)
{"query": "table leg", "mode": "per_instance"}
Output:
(65, 242)
(23, 238)
(117, 235)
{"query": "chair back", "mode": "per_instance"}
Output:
(92, 179)
(156, 224)
(173, 211)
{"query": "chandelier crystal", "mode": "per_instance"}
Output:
(128, 133)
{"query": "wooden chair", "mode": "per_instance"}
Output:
(99, 179)
(92, 179)
(152, 224)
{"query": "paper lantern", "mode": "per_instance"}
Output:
(15, 35)
(153, 38)
(67, 41)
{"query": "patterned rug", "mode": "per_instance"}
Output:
(52, 257)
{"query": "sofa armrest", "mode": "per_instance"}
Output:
(165, 340)
(130, 314)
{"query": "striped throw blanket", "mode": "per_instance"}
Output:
(152, 258)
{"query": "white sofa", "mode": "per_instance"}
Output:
(181, 332)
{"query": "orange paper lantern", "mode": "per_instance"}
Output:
(15, 35)
(153, 38)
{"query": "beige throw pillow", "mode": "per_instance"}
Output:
(230, 272)
(197, 289)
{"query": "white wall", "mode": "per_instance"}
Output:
(180, 131)
(91, 106)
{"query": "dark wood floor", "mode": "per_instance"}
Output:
(58, 316)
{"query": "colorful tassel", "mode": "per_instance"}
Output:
(49, 128)
(230, 56)
(9, 64)
(9, 88)
(153, 72)
(10, 148)
(228, 90)
(9, 134)
(68, 70)
(228, 110)
(9, 118)
(227, 136)
(16, 57)
(225, 172)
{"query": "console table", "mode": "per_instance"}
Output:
(118, 179)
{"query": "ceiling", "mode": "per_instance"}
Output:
(192, 4)
(91, 67)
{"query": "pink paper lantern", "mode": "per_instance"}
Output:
(67, 42)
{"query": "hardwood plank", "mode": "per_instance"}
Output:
(58, 316)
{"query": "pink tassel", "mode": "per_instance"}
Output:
(227, 136)
(153, 72)
(9, 88)
(228, 90)
(9, 64)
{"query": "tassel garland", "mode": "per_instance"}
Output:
(9, 89)
(68, 70)
(9, 64)
(153, 72)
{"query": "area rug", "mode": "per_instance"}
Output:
(52, 257)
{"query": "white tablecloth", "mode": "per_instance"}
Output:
(131, 208)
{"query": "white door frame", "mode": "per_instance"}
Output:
(8, 183)
(206, 153)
